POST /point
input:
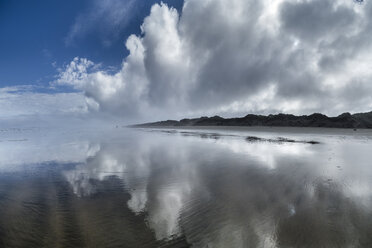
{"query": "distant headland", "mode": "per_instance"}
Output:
(345, 120)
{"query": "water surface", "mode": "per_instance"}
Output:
(243, 187)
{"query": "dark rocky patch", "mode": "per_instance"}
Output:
(279, 140)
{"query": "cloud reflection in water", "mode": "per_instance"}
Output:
(229, 192)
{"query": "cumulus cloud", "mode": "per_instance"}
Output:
(235, 57)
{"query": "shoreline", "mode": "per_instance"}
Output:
(274, 129)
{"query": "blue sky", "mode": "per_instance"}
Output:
(34, 36)
(147, 60)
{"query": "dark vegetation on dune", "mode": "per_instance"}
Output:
(345, 120)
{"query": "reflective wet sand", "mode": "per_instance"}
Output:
(121, 187)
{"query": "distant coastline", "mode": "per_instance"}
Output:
(345, 120)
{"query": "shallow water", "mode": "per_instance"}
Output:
(242, 187)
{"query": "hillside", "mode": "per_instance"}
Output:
(345, 120)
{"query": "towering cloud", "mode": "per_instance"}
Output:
(238, 56)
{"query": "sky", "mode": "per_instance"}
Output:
(141, 60)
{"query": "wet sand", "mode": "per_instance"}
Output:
(187, 188)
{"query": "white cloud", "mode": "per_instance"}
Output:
(229, 57)
(24, 101)
(106, 17)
